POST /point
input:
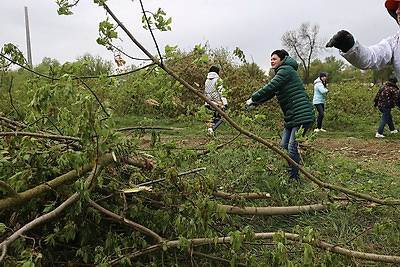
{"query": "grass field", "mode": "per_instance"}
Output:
(350, 157)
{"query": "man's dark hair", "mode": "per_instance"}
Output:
(393, 80)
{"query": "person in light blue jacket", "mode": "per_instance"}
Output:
(320, 90)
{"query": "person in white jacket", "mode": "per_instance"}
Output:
(320, 90)
(214, 91)
(378, 56)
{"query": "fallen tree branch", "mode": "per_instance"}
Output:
(179, 174)
(47, 136)
(261, 195)
(136, 226)
(289, 210)
(262, 236)
(147, 164)
(96, 169)
(40, 220)
(27, 195)
(152, 182)
(11, 192)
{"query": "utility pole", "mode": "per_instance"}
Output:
(28, 38)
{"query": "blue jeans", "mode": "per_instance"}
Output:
(386, 119)
(290, 144)
(320, 108)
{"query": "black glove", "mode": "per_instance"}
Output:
(342, 40)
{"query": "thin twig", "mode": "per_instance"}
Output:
(214, 258)
(11, 99)
(130, 223)
(94, 94)
(38, 135)
(151, 32)
(146, 128)
(204, 152)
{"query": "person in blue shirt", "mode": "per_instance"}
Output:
(320, 90)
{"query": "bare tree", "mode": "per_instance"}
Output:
(304, 45)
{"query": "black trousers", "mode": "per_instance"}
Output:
(320, 109)
(216, 119)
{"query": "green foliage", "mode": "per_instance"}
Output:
(350, 105)
(157, 20)
(15, 54)
(107, 34)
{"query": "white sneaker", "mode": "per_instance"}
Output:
(394, 132)
(378, 135)
(316, 130)
(210, 130)
(322, 130)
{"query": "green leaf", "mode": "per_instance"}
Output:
(2, 228)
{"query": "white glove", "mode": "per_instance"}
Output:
(249, 102)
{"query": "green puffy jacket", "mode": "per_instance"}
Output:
(292, 96)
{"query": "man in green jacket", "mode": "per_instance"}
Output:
(297, 109)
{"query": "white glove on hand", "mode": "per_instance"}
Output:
(249, 102)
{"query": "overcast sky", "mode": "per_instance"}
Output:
(255, 26)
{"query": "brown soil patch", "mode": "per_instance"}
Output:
(373, 154)
(360, 149)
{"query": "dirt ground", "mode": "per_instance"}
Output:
(360, 149)
(372, 153)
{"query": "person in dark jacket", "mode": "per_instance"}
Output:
(386, 99)
(296, 106)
